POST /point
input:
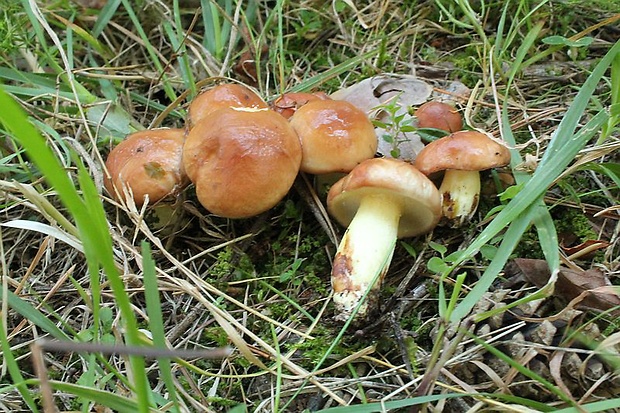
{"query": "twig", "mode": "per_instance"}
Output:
(60, 346)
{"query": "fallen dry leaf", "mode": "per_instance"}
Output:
(591, 289)
(403, 90)
(378, 90)
(555, 369)
(585, 248)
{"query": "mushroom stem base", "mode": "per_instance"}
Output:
(364, 255)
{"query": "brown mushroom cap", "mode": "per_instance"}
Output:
(335, 136)
(463, 150)
(222, 96)
(390, 178)
(149, 163)
(243, 162)
(288, 103)
(439, 115)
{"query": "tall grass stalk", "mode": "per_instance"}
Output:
(87, 211)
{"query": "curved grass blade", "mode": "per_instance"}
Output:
(13, 367)
(156, 321)
(104, 398)
(104, 17)
(339, 69)
(396, 404)
(562, 149)
(90, 218)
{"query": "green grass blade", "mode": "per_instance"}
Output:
(41, 85)
(612, 170)
(113, 401)
(30, 92)
(527, 43)
(100, 252)
(396, 404)
(176, 40)
(42, 30)
(71, 27)
(13, 368)
(523, 370)
(615, 81)
(150, 50)
(600, 406)
(278, 374)
(498, 46)
(105, 15)
(156, 321)
(453, 19)
(213, 27)
(547, 236)
(563, 142)
(562, 149)
(542, 219)
(43, 80)
(15, 121)
(510, 240)
(515, 33)
(36, 27)
(155, 105)
(520, 401)
(26, 310)
(89, 217)
(288, 300)
(339, 69)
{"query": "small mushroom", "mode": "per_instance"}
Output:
(439, 115)
(222, 96)
(147, 164)
(288, 103)
(242, 161)
(335, 136)
(461, 155)
(380, 200)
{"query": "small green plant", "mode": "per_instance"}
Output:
(396, 122)
(576, 48)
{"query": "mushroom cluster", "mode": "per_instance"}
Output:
(243, 154)
(384, 199)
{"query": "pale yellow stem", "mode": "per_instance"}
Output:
(460, 191)
(364, 255)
